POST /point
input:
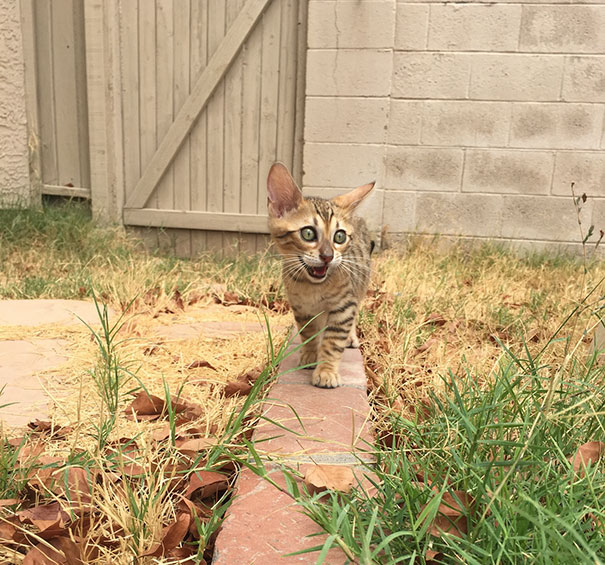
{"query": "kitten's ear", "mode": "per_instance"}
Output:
(351, 200)
(282, 193)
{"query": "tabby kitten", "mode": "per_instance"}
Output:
(326, 267)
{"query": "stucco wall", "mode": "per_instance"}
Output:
(14, 167)
(474, 117)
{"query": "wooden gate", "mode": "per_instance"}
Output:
(190, 101)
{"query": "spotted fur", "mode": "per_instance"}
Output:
(325, 279)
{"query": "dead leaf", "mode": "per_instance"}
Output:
(199, 364)
(9, 502)
(171, 535)
(432, 556)
(74, 484)
(178, 299)
(160, 434)
(589, 453)
(62, 551)
(435, 319)
(233, 388)
(194, 445)
(150, 407)
(320, 478)
(50, 519)
(9, 531)
(452, 513)
(145, 407)
(44, 555)
(207, 482)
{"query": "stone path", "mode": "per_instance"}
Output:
(23, 397)
(263, 523)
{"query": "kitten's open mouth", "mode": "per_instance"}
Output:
(316, 272)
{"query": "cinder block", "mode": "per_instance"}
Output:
(466, 123)
(333, 165)
(411, 27)
(563, 29)
(515, 76)
(405, 122)
(370, 209)
(368, 24)
(399, 211)
(522, 172)
(347, 72)
(459, 214)
(584, 79)
(474, 27)
(549, 218)
(431, 75)
(556, 125)
(358, 120)
(586, 170)
(423, 168)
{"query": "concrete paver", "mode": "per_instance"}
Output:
(42, 311)
(23, 397)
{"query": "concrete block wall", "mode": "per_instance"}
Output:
(475, 118)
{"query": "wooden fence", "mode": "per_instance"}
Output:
(168, 113)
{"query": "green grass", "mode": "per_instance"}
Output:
(502, 419)
(506, 445)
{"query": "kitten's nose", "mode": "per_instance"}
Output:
(326, 258)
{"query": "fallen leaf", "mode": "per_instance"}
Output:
(172, 535)
(432, 556)
(194, 445)
(435, 319)
(9, 531)
(62, 551)
(145, 407)
(150, 407)
(8, 502)
(233, 388)
(589, 453)
(199, 364)
(178, 299)
(160, 434)
(44, 555)
(207, 482)
(320, 478)
(452, 513)
(74, 484)
(50, 519)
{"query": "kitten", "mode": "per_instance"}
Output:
(326, 267)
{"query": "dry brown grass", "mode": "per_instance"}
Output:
(427, 314)
(431, 314)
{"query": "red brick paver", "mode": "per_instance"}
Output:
(264, 524)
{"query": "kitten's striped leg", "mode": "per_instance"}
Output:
(308, 329)
(335, 337)
(353, 340)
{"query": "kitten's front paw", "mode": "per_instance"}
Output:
(308, 357)
(324, 377)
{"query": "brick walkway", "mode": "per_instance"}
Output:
(263, 523)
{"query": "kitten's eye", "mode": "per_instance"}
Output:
(308, 234)
(340, 236)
